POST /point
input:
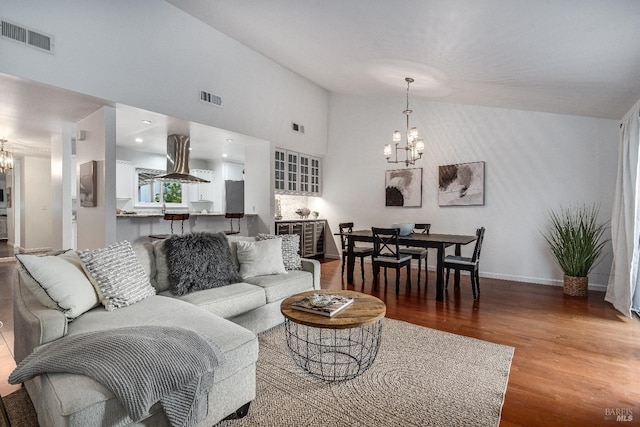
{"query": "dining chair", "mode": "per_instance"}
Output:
(419, 253)
(359, 251)
(470, 264)
(386, 253)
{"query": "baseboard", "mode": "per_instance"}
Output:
(525, 279)
(33, 250)
(536, 280)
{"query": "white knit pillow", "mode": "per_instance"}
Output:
(117, 275)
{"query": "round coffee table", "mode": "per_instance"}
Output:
(336, 348)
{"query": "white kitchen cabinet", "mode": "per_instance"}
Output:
(297, 173)
(309, 180)
(125, 179)
(202, 190)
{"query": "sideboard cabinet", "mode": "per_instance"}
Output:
(311, 234)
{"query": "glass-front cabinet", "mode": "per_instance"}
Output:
(281, 170)
(292, 172)
(297, 173)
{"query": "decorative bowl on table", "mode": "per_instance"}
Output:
(320, 300)
(303, 212)
(405, 228)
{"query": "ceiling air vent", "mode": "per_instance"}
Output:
(210, 98)
(27, 36)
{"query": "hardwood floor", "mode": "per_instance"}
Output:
(575, 361)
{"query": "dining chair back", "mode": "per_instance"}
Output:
(386, 254)
(359, 251)
(419, 253)
(470, 264)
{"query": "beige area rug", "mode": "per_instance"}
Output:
(421, 377)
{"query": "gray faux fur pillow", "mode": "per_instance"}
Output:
(199, 261)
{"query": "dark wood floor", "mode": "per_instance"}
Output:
(575, 358)
(5, 251)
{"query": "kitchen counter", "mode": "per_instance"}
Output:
(299, 219)
(144, 224)
(161, 215)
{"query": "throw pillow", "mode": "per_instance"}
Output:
(198, 261)
(59, 282)
(260, 258)
(117, 275)
(162, 270)
(290, 249)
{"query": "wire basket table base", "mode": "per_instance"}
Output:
(333, 354)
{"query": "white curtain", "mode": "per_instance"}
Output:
(623, 290)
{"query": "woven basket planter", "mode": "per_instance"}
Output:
(575, 286)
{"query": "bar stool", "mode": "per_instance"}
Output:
(176, 217)
(231, 216)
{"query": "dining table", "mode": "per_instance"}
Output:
(422, 240)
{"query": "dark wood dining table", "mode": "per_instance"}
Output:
(431, 240)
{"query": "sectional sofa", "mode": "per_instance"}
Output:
(230, 315)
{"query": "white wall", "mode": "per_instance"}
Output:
(534, 162)
(35, 174)
(97, 224)
(62, 163)
(151, 55)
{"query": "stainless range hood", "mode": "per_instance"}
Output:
(178, 161)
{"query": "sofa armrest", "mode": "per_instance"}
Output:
(34, 324)
(313, 267)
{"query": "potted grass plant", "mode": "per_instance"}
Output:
(575, 238)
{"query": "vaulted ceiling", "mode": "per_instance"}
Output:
(578, 57)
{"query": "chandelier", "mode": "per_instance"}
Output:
(414, 146)
(6, 158)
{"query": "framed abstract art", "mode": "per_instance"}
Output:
(403, 187)
(461, 184)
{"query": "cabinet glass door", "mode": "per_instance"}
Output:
(280, 170)
(292, 172)
(304, 174)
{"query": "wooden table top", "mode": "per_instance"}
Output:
(417, 238)
(365, 310)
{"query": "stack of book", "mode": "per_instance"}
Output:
(324, 304)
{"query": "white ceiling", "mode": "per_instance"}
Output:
(206, 142)
(577, 57)
(31, 113)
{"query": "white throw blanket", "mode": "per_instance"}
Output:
(140, 365)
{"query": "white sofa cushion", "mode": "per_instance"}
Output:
(225, 301)
(59, 282)
(279, 286)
